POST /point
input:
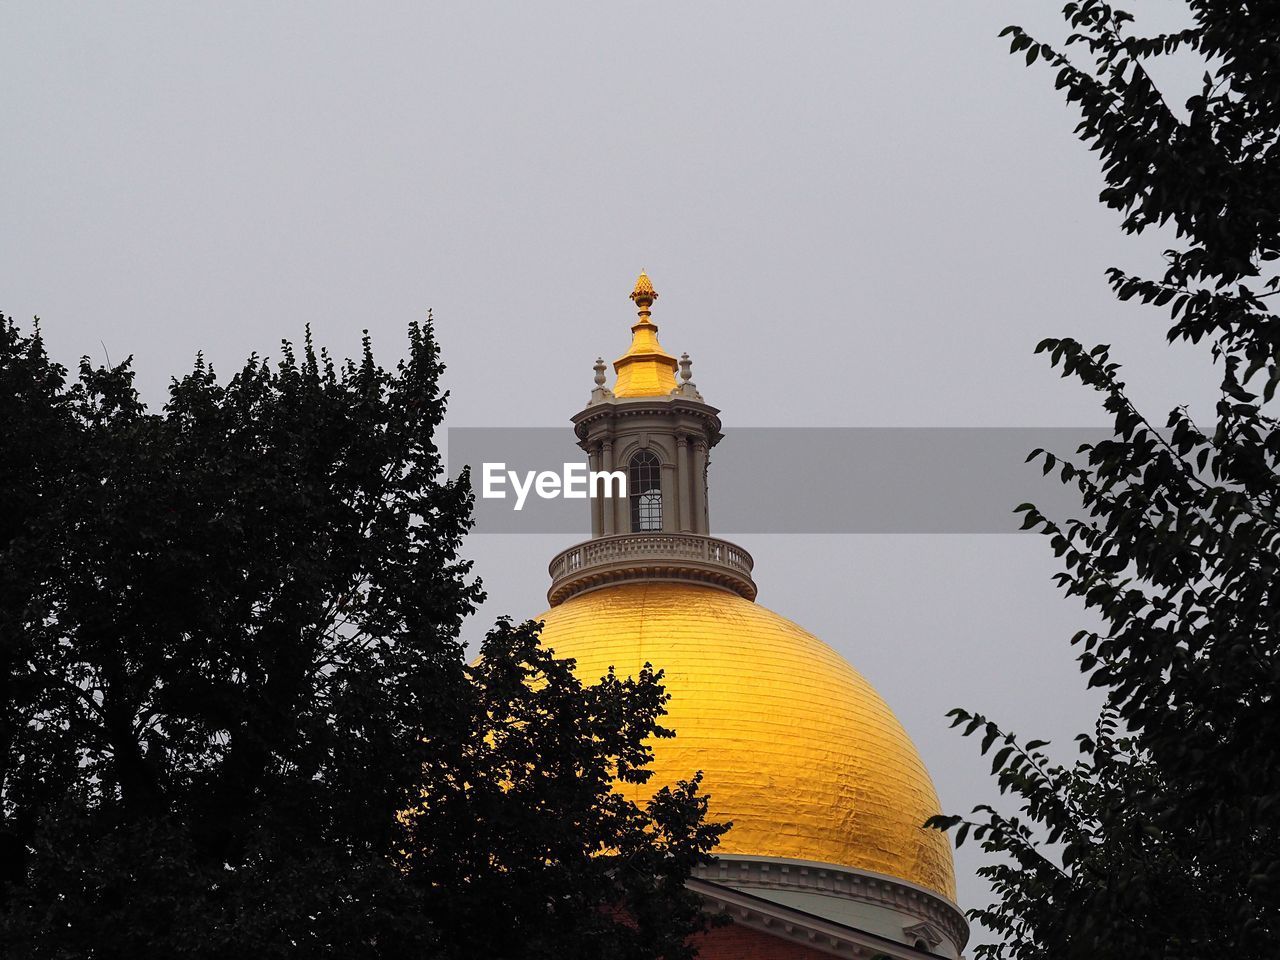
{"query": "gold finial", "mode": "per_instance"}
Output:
(646, 370)
(644, 294)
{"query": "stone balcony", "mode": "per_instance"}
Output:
(651, 556)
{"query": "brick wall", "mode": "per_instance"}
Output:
(734, 942)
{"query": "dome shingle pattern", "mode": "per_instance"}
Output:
(797, 749)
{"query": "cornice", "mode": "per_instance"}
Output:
(807, 876)
(797, 926)
(616, 408)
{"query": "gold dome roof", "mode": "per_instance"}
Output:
(796, 748)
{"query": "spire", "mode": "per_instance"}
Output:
(646, 370)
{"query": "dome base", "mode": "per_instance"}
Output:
(886, 906)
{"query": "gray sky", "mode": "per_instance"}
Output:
(857, 214)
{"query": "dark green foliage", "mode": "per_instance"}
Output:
(521, 817)
(1163, 838)
(229, 657)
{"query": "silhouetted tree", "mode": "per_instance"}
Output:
(229, 664)
(1163, 838)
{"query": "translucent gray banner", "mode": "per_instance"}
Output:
(796, 480)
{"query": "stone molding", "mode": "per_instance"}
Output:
(923, 931)
(796, 926)
(610, 410)
(805, 876)
(691, 557)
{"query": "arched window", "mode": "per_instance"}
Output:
(644, 490)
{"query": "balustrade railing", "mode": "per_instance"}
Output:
(701, 553)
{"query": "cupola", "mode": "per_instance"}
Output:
(658, 433)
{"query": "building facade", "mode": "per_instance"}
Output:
(827, 855)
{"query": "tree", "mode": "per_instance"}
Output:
(1163, 838)
(522, 814)
(230, 661)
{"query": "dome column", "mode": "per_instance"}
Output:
(597, 503)
(672, 494)
(701, 522)
(684, 482)
(608, 508)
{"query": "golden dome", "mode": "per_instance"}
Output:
(796, 748)
(645, 370)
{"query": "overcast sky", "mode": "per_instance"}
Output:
(856, 214)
